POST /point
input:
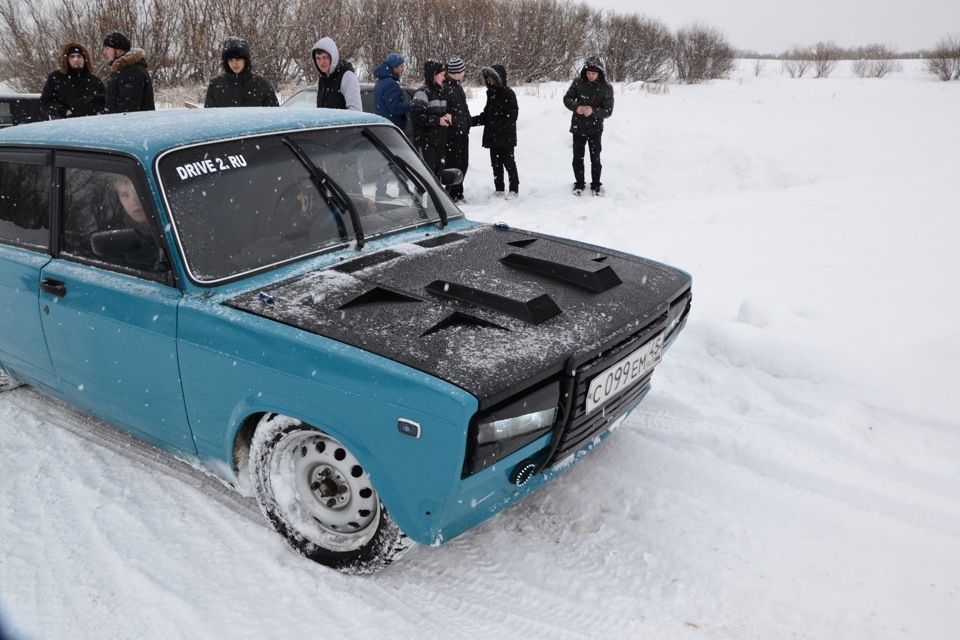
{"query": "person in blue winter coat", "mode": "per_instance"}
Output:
(499, 122)
(590, 98)
(238, 85)
(388, 97)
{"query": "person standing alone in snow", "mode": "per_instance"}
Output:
(238, 85)
(590, 98)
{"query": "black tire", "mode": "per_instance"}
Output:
(316, 495)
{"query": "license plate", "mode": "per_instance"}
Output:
(614, 380)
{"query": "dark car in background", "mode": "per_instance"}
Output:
(307, 97)
(20, 108)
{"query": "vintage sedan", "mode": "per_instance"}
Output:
(288, 299)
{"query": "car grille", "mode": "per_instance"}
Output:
(583, 427)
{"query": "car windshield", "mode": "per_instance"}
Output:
(247, 204)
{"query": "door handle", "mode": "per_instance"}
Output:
(54, 287)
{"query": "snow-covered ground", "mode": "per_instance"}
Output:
(794, 473)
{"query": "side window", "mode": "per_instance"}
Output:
(105, 220)
(25, 204)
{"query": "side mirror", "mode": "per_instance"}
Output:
(450, 177)
(111, 243)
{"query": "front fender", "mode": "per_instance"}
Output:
(250, 365)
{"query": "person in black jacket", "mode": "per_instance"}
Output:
(499, 120)
(338, 86)
(458, 134)
(590, 98)
(129, 87)
(238, 85)
(70, 91)
(430, 117)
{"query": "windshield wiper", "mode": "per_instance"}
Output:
(332, 193)
(404, 166)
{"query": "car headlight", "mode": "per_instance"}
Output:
(516, 426)
(516, 423)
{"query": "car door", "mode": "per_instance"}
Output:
(110, 317)
(25, 179)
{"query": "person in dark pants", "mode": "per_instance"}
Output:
(238, 85)
(590, 98)
(70, 90)
(458, 136)
(129, 87)
(430, 116)
(499, 120)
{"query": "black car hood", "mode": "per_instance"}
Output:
(491, 309)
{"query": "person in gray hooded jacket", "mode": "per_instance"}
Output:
(238, 85)
(337, 87)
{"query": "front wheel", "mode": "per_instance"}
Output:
(318, 496)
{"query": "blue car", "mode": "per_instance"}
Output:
(289, 299)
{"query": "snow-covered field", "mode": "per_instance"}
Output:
(794, 473)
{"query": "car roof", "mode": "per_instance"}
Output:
(148, 133)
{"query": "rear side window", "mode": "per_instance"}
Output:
(25, 204)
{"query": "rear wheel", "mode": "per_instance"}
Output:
(318, 496)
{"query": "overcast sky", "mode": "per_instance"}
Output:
(773, 27)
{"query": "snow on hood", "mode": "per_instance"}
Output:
(471, 308)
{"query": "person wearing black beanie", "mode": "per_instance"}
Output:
(71, 89)
(458, 137)
(238, 85)
(129, 87)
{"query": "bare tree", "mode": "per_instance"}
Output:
(700, 53)
(797, 61)
(944, 60)
(825, 57)
(636, 48)
(875, 61)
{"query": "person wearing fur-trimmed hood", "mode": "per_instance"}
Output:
(71, 90)
(238, 85)
(499, 122)
(337, 87)
(129, 87)
(590, 98)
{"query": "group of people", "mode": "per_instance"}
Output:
(74, 90)
(437, 119)
(441, 119)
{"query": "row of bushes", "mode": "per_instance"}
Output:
(872, 61)
(535, 39)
